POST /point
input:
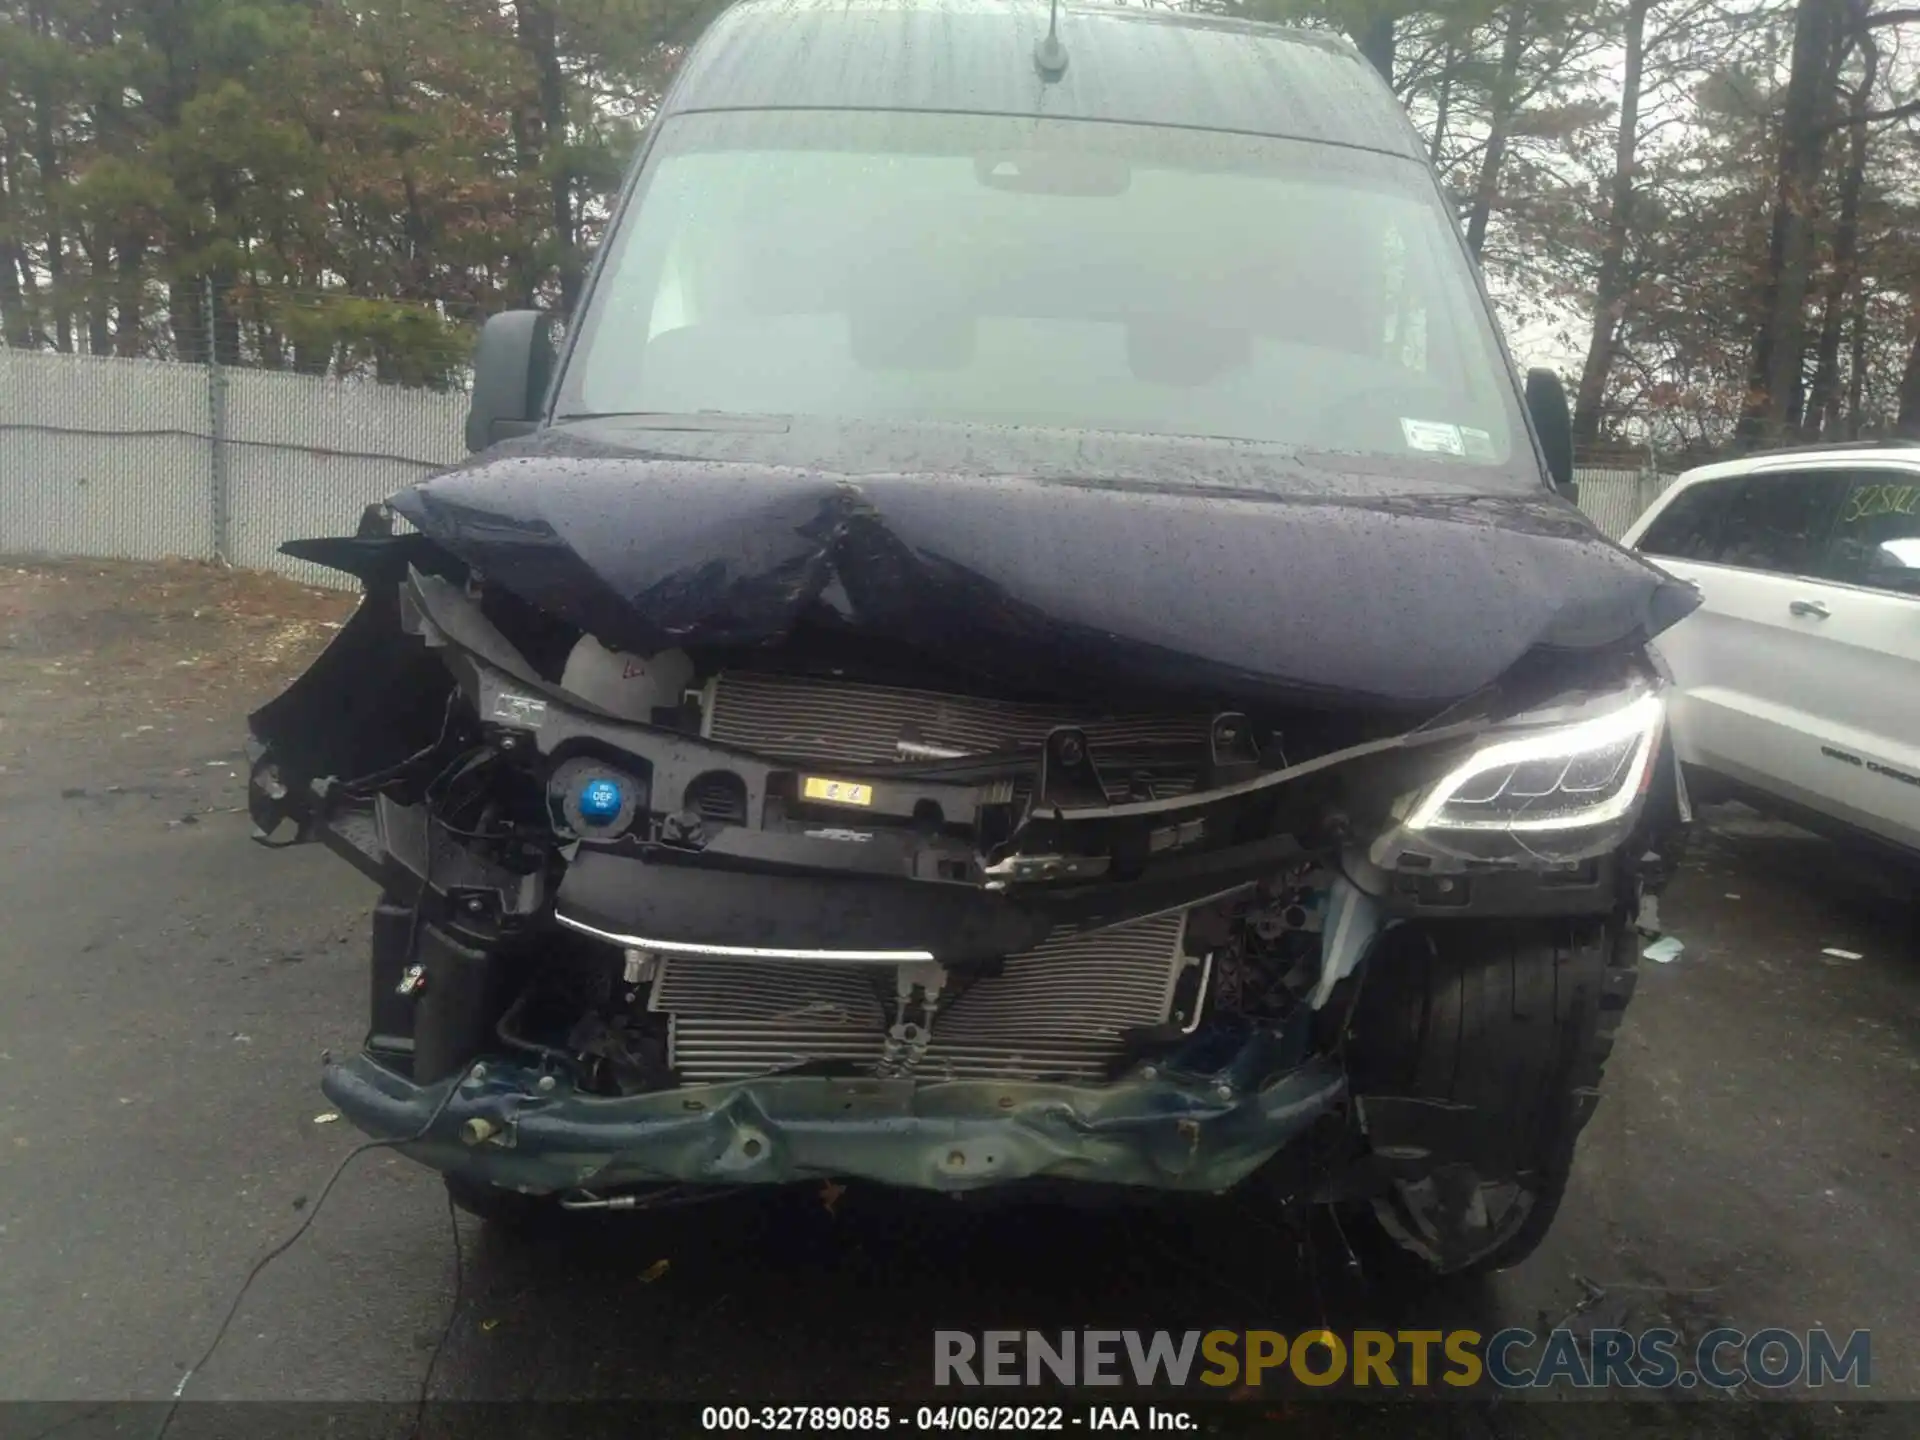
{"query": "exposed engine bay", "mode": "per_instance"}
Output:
(529, 804)
(678, 875)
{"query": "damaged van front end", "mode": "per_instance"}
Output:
(748, 889)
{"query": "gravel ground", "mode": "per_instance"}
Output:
(169, 989)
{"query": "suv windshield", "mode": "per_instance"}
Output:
(1012, 271)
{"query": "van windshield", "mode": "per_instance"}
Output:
(1020, 272)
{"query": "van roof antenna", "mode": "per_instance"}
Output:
(1049, 55)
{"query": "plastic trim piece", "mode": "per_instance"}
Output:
(749, 952)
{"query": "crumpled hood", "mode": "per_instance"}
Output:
(1321, 587)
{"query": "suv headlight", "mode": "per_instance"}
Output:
(1557, 777)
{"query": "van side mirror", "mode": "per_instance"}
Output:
(511, 367)
(1553, 422)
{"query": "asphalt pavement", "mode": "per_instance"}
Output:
(167, 990)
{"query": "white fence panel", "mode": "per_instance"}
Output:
(102, 456)
(1613, 499)
(306, 455)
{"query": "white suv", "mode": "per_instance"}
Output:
(1798, 678)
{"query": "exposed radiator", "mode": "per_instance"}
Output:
(1057, 1011)
(802, 718)
(1061, 1009)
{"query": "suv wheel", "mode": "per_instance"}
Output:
(1476, 1050)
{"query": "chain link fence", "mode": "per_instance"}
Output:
(142, 459)
(1613, 499)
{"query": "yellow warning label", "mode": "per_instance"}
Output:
(837, 792)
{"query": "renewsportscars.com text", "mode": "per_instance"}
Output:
(1511, 1359)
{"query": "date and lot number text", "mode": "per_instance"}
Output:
(809, 1419)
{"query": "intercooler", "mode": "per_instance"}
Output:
(802, 718)
(1058, 1011)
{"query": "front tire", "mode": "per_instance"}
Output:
(1476, 1050)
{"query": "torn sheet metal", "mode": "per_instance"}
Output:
(1353, 918)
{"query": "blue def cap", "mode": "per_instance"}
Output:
(601, 801)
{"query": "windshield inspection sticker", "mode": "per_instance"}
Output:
(1433, 435)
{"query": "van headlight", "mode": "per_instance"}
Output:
(1576, 776)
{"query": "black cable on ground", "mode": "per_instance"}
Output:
(313, 1212)
(446, 1331)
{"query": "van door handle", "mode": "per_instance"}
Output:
(1808, 607)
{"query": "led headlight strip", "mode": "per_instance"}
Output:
(1632, 729)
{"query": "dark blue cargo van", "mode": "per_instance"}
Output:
(1026, 636)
